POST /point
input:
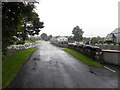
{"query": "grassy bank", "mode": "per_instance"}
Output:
(12, 64)
(31, 42)
(83, 58)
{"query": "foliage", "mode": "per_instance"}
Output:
(70, 38)
(97, 39)
(35, 25)
(44, 36)
(57, 36)
(109, 41)
(12, 64)
(49, 37)
(20, 42)
(94, 40)
(77, 32)
(32, 38)
(83, 58)
(33, 42)
(86, 40)
(18, 19)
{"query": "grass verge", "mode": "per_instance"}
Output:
(31, 42)
(12, 64)
(83, 58)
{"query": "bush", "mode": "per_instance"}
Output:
(108, 41)
(20, 42)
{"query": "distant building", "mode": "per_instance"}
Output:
(114, 36)
(53, 40)
(60, 39)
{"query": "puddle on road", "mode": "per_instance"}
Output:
(35, 64)
(38, 59)
(48, 59)
(93, 72)
(35, 59)
(34, 68)
(53, 68)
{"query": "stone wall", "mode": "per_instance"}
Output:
(96, 53)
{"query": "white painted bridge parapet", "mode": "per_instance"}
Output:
(111, 56)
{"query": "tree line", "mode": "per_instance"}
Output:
(43, 36)
(77, 36)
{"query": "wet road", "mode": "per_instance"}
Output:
(51, 67)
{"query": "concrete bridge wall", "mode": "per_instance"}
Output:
(111, 56)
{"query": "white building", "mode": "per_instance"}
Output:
(60, 39)
(115, 36)
(109, 37)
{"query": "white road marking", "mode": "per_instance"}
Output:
(109, 69)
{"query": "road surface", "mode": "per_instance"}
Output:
(51, 67)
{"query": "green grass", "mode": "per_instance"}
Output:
(26, 41)
(12, 64)
(83, 58)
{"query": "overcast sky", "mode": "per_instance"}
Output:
(95, 17)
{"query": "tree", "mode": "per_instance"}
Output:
(97, 39)
(70, 38)
(77, 32)
(94, 40)
(32, 26)
(108, 41)
(44, 36)
(15, 18)
(49, 37)
(100, 39)
(86, 40)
